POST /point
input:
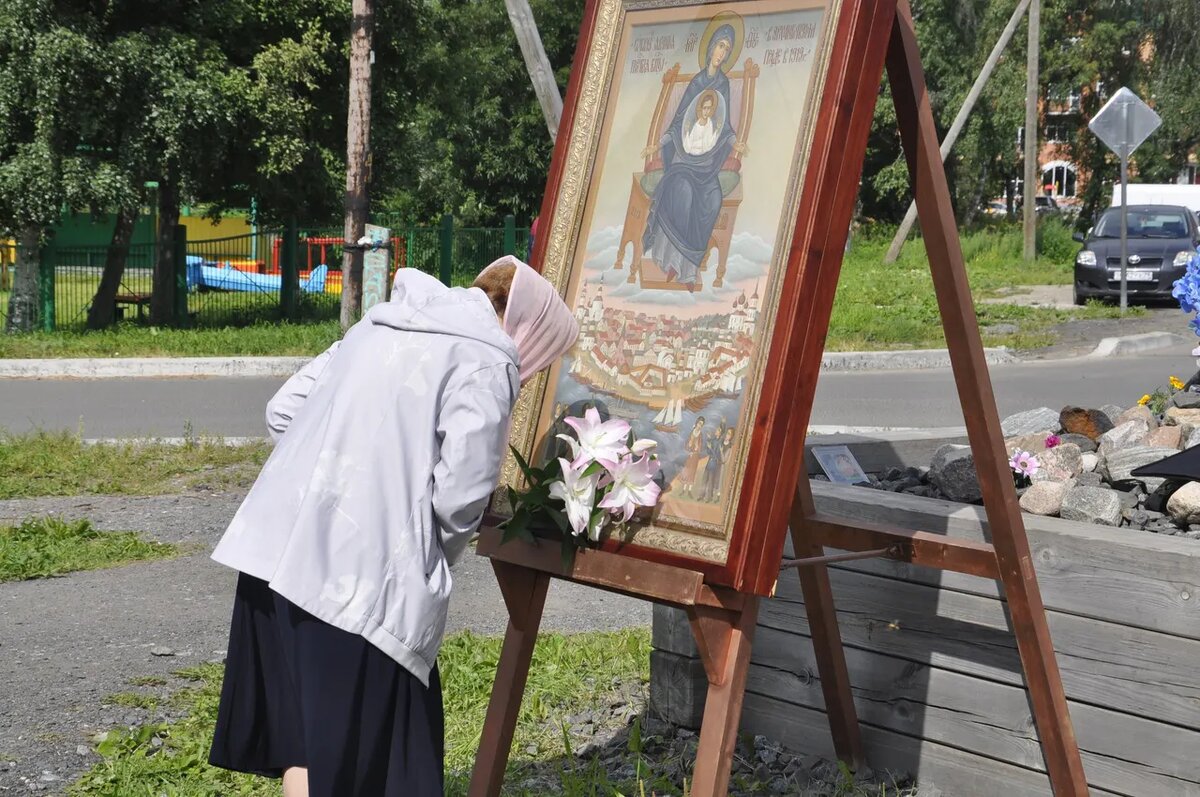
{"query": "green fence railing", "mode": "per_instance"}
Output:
(268, 276)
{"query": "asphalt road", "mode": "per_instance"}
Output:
(234, 407)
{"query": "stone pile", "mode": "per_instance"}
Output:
(1086, 475)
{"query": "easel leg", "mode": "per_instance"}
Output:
(826, 638)
(525, 595)
(918, 135)
(727, 664)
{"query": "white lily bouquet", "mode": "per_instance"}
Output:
(608, 477)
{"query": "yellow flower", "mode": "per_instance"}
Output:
(1144, 400)
(1176, 383)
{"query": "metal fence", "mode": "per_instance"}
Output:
(240, 280)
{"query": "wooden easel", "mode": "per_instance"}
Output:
(722, 620)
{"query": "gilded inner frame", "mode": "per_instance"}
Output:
(675, 212)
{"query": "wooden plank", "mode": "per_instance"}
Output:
(608, 571)
(1127, 669)
(955, 772)
(1118, 575)
(1121, 752)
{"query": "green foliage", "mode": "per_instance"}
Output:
(162, 758)
(48, 463)
(45, 547)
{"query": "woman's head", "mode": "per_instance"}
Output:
(706, 106)
(531, 312)
(496, 282)
(720, 46)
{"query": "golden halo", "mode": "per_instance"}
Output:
(739, 35)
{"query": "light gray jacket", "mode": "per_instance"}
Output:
(388, 447)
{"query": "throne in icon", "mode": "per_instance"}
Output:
(642, 269)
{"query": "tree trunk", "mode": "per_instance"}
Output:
(162, 296)
(358, 157)
(23, 301)
(100, 314)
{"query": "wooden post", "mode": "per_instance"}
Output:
(919, 138)
(1030, 191)
(358, 156)
(524, 592)
(544, 85)
(960, 121)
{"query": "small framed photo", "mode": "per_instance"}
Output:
(839, 465)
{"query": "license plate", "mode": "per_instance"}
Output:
(1133, 275)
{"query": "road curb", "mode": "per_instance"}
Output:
(283, 367)
(152, 368)
(903, 360)
(1136, 344)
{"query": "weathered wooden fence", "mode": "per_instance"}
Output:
(936, 677)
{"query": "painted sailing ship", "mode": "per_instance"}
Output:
(670, 416)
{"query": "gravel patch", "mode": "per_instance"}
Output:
(67, 644)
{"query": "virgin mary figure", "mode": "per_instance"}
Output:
(694, 147)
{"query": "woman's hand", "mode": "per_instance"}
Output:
(651, 151)
(740, 149)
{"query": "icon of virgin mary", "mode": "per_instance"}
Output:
(693, 147)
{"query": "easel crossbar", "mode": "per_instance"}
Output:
(924, 548)
(891, 552)
(624, 575)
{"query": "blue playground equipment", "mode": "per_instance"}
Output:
(206, 274)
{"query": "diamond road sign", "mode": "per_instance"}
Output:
(1125, 122)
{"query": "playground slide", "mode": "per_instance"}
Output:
(202, 274)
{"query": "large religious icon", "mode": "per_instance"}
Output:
(661, 165)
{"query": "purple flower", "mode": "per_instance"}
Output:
(1053, 440)
(1023, 463)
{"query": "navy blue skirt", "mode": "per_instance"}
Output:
(300, 693)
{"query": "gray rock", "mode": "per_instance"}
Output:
(1044, 498)
(1193, 439)
(1186, 400)
(1085, 443)
(1089, 479)
(160, 650)
(1126, 435)
(1058, 464)
(953, 473)
(1129, 499)
(1030, 422)
(1092, 505)
(1184, 504)
(1089, 461)
(1112, 411)
(1119, 466)
(1138, 413)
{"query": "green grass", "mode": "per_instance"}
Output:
(46, 463)
(133, 340)
(893, 307)
(878, 307)
(45, 547)
(560, 682)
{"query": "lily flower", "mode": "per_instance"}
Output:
(597, 441)
(1024, 463)
(632, 485)
(578, 494)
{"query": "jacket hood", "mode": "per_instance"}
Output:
(421, 303)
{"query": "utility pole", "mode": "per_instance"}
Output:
(536, 62)
(358, 157)
(960, 122)
(1029, 191)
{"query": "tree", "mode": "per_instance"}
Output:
(48, 63)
